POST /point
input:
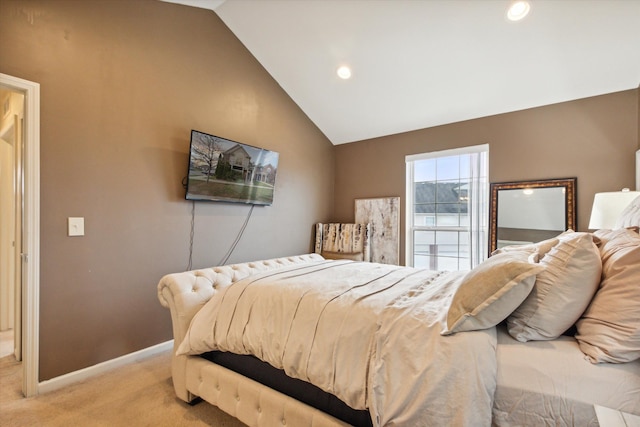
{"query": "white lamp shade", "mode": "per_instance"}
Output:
(607, 208)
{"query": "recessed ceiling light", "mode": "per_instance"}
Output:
(518, 10)
(344, 72)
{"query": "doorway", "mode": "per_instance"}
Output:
(21, 134)
(11, 125)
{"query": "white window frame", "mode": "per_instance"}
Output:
(480, 252)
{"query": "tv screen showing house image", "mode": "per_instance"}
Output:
(222, 170)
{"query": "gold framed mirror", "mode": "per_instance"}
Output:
(523, 212)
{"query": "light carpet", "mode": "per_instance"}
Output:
(139, 394)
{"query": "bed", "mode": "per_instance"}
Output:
(385, 345)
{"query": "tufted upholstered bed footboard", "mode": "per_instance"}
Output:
(251, 402)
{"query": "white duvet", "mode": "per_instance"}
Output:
(367, 333)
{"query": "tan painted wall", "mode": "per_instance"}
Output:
(122, 85)
(593, 139)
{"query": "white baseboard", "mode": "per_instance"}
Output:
(82, 374)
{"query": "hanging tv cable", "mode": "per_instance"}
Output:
(235, 243)
(193, 221)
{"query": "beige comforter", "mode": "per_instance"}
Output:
(367, 333)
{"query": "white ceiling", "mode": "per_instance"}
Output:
(423, 63)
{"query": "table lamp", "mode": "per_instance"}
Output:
(607, 208)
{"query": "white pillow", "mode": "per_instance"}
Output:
(630, 216)
(491, 291)
(562, 291)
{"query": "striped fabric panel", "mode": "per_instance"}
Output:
(343, 237)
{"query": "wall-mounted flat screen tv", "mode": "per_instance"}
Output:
(222, 170)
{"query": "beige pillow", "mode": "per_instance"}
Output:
(609, 331)
(491, 291)
(541, 247)
(354, 256)
(562, 291)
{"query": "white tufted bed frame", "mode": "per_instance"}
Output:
(249, 401)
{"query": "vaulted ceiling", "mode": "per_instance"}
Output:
(423, 63)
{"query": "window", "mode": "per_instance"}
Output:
(447, 208)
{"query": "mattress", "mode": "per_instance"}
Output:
(552, 383)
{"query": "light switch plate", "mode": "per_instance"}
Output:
(76, 226)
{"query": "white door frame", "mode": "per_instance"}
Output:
(31, 231)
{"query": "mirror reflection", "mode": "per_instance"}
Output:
(530, 211)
